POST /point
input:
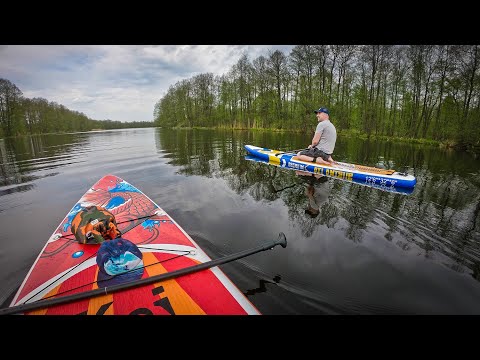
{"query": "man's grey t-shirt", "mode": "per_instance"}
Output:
(328, 136)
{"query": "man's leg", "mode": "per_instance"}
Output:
(321, 161)
(310, 159)
(330, 159)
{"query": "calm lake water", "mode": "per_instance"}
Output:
(365, 251)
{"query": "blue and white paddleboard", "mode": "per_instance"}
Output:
(365, 175)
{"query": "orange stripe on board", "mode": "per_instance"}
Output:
(95, 303)
(52, 292)
(179, 299)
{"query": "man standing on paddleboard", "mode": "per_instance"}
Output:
(323, 142)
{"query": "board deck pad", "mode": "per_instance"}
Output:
(151, 243)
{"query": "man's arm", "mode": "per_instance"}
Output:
(316, 139)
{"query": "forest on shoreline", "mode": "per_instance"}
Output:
(420, 93)
(20, 115)
(425, 93)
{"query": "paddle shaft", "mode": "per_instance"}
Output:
(161, 277)
(293, 151)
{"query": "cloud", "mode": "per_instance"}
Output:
(116, 82)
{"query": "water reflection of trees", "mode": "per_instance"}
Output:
(21, 156)
(441, 217)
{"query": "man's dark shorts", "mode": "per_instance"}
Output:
(315, 153)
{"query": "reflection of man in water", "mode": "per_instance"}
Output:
(316, 197)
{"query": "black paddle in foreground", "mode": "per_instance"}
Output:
(40, 304)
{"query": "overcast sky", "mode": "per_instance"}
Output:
(116, 82)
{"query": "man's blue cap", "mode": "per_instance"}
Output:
(324, 110)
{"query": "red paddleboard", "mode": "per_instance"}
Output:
(151, 244)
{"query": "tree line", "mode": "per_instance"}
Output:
(407, 91)
(22, 116)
